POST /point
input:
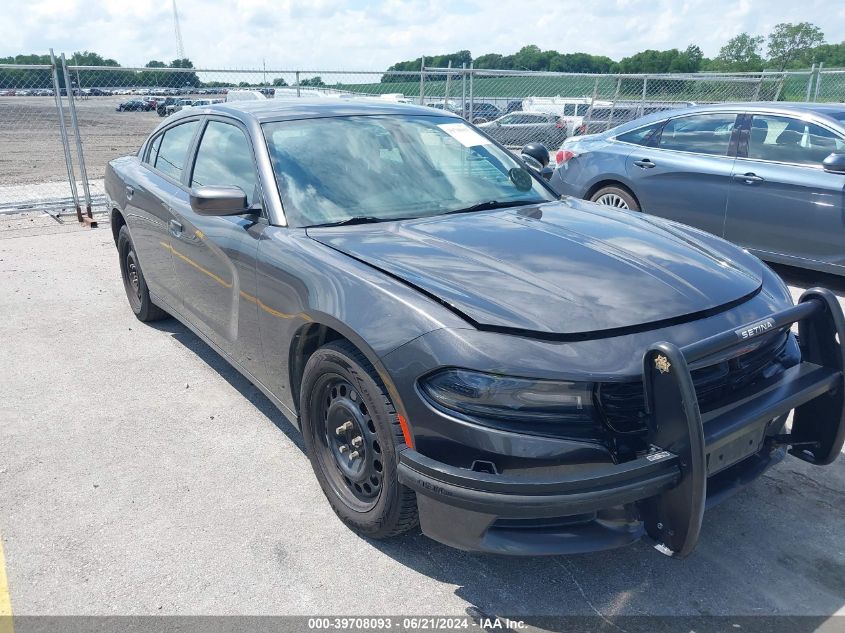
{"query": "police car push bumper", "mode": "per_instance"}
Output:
(668, 485)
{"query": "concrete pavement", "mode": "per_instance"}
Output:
(140, 474)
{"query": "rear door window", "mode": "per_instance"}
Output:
(173, 149)
(786, 140)
(699, 133)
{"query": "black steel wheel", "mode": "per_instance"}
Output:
(352, 435)
(133, 280)
(346, 443)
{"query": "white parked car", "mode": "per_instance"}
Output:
(245, 95)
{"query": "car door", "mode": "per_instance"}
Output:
(686, 174)
(151, 193)
(781, 200)
(214, 256)
(533, 127)
(520, 128)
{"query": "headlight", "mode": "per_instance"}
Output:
(488, 396)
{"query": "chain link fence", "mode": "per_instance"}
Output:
(115, 108)
(33, 171)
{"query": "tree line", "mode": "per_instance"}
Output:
(787, 46)
(150, 76)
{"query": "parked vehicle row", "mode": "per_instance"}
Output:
(164, 106)
(767, 176)
(35, 92)
(518, 128)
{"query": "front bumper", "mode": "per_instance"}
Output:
(694, 457)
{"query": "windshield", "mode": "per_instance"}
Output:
(333, 170)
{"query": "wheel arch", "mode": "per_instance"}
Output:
(117, 221)
(609, 182)
(317, 332)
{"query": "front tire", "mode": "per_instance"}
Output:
(352, 434)
(615, 197)
(133, 281)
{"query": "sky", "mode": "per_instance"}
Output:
(372, 34)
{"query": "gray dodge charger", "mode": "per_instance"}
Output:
(460, 348)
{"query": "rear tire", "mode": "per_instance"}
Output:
(345, 409)
(133, 281)
(615, 197)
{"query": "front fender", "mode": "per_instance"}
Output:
(302, 283)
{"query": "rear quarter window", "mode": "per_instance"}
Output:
(640, 136)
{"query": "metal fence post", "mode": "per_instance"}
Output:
(613, 104)
(83, 173)
(297, 83)
(464, 89)
(645, 94)
(780, 88)
(422, 79)
(448, 82)
(65, 145)
(818, 81)
(759, 86)
(471, 100)
(588, 118)
(810, 83)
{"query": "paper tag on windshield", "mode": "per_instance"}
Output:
(464, 134)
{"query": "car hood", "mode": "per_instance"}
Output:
(561, 268)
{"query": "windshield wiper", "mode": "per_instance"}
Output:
(355, 219)
(489, 205)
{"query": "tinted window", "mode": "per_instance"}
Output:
(701, 133)
(174, 148)
(788, 140)
(153, 151)
(224, 157)
(642, 136)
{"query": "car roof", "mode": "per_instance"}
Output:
(286, 110)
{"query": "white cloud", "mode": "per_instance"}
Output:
(371, 34)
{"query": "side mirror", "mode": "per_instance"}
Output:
(835, 163)
(536, 156)
(219, 201)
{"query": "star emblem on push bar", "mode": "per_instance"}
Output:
(662, 364)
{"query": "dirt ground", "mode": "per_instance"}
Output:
(31, 122)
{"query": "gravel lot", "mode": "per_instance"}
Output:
(32, 122)
(140, 474)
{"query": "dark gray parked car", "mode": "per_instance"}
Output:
(525, 375)
(769, 177)
(518, 128)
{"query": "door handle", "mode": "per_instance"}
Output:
(749, 179)
(130, 191)
(645, 163)
(175, 228)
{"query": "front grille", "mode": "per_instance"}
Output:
(623, 404)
